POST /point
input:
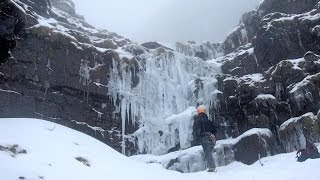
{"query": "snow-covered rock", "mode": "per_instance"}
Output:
(295, 132)
(304, 95)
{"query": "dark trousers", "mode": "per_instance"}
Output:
(208, 146)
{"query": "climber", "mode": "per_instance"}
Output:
(204, 134)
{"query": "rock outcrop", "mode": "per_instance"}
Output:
(271, 68)
(55, 67)
(295, 132)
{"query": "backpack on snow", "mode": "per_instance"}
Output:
(310, 152)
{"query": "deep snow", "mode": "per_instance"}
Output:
(52, 149)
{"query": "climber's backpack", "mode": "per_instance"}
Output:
(309, 152)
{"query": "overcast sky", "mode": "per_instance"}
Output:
(166, 20)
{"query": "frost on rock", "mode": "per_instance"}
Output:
(265, 100)
(316, 30)
(301, 92)
(296, 131)
(163, 101)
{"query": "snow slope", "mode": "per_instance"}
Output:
(51, 150)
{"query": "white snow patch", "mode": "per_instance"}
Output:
(18, 6)
(232, 141)
(9, 91)
(51, 155)
(302, 83)
(296, 62)
(295, 119)
(265, 96)
(258, 77)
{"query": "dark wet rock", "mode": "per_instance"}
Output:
(12, 22)
(274, 43)
(229, 86)
(246, 93)
(311, 56)
(53, 76)
(280, 40)
(238, 71)
(288, 7)
(304, 95)
(84, 161)
(153, 45)
(13, 150)
(244, 32)
(241, 63)
(286, 73)
(250, 148)
(295, 132)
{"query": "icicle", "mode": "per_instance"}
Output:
(279, 91)
(161, 102)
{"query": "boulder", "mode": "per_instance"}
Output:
(295, 132)
(246, 93)
(286, 73)
(311, 56)
(252, 147)
(229, 86)
(304, 96)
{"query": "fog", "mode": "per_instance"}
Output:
(166, 20)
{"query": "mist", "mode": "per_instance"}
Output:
(166, 20)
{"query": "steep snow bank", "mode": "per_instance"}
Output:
(51, 152)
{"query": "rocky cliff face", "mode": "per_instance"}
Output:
(141, 98)
(55, 66)
(271, 70)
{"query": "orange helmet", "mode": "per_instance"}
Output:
(201, 109)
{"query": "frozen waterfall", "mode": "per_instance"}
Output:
(164, 100)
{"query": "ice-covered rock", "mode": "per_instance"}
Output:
(295, 132)
(304, 95)
(286, 73)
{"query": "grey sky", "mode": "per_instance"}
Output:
(166, 20)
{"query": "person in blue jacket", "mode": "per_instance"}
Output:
(205, 134)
